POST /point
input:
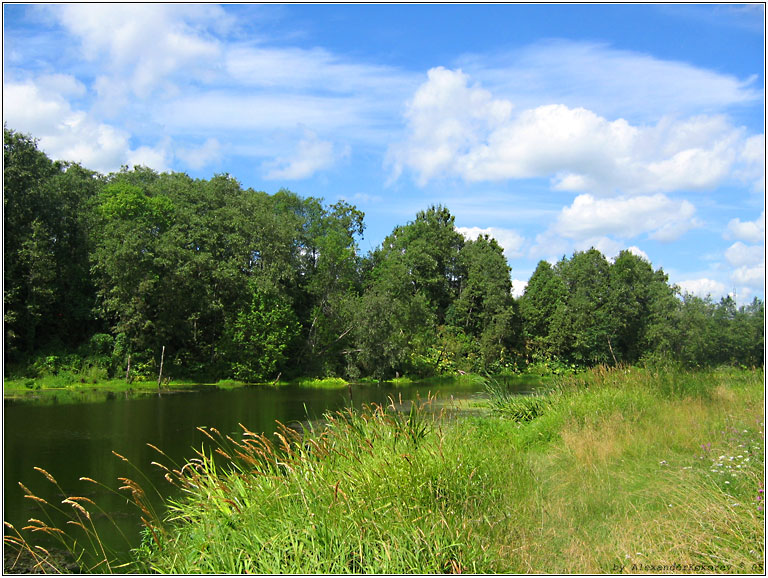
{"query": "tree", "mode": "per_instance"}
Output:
(544, 294)
(257, 338)
(640, 298)
(581, 331)
(128, 272)
(483, 308)
(330, 286)
(48, 294)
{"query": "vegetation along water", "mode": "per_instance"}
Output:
(139, 281)
(628, 469)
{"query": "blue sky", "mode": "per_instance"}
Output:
(552, 127)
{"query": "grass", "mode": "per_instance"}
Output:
(628, 479)
(625, 470)
(55, 389)
(323, 383)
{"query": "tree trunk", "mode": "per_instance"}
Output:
(160, 375)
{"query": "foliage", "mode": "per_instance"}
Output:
(207, 271)
(256, 341)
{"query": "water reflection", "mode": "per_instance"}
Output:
(73, 438)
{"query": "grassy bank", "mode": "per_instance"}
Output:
(69, 388)
(625, 470)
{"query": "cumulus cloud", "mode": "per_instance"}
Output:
(751, 167)
(740, 254)
(144, 47)
(750, 231)
(637, 252)
(748, 262)
(511, 241)
(65, 133)
(658, 216)
(157, 158)
(518, 287)
(702, 287)
(458, 129)
(447, 119)
(752, 277)
(310, 156)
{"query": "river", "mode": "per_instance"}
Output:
(74, 440)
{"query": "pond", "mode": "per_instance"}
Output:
(74, 440)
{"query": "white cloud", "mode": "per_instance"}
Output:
(740, 254)
(157, 158)
(748, 262)
(233, 111)
(550, 247)
(460, 130)
(511, 241)
(636, 251)
(658, 216)
(210, 152)
(750, 231)
(315, 69)
(607, 246)
(752, 163)
(68, 134)
(61, 84)
(144, 47)
(310, 156)
(609, 81)
(518, 287)
(702, 287)
(752, 277)
(447, 119)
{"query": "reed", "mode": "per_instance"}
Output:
(631, 470)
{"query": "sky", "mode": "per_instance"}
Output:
(552, 128)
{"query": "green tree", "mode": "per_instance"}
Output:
(257, 338)
(483, 310)
(640, 299)
(48, 294)
(544, 294)
(132, 224)
(581, 331)
(330, 287)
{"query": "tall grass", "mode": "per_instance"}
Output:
(613, 470)
(644, 471)
(377, 491)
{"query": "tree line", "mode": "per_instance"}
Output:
(238, 283)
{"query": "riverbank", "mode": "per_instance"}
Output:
(616, 471)
(57, 390)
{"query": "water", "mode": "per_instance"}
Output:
(72, 440)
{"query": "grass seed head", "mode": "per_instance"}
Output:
(46, 474)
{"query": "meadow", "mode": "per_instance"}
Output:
(623, 470)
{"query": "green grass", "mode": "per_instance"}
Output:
(625, 470)
(627, 475)
(323, 383)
